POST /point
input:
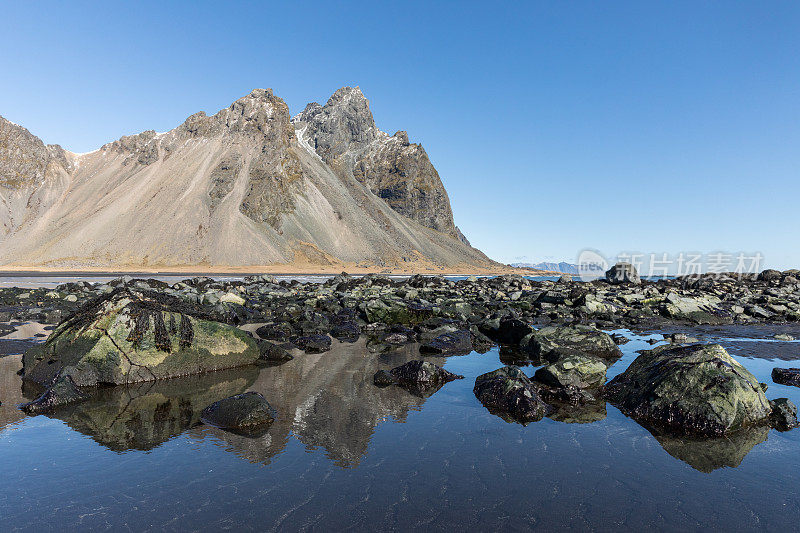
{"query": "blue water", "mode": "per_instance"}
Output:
(345, 454)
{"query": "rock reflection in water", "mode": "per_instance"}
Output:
(326, 401)
(10, 391)
(709, 454)
(143, 416)
(586, 413)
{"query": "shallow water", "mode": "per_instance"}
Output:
(346, 454)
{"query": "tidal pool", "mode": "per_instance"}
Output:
(345, 454)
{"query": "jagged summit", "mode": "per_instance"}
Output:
(248, 185)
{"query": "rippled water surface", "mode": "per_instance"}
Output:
(346, 454)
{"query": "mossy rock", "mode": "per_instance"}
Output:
(556, 342)
(581, 371)
(695, 389)
(131, 336)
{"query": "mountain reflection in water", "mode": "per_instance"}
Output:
(325, 400)
(346, 454)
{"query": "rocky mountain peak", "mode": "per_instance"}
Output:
(344, 124)
(260, 113)
(24, 158)
(344, 135)
(248, 193)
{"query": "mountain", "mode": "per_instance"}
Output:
(566, 268)
(249, 186)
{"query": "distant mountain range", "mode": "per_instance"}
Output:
(248, 186)
(566, 268)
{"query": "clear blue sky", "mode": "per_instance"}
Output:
(650, 126)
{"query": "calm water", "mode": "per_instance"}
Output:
(345, 454)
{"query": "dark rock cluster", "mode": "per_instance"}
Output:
(159, 329)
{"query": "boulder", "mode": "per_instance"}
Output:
(696, 309)
(623, 273)
(770, 275)
(314, 343)
(509, 393)
(395, 311)
(456, 342)
(580, 371)
(695, 389)
(248, 412)
(784, 414)
(506, 330)
(384, 378)
(270, 351)
(422, 372)
(420, 378)
(62, 392)
(346, 331)
(786, 376)
(130, 336)
(280, 331)
(555, 342)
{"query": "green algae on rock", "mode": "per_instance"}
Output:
(694, 389)
(581, 371)
(555, 342)
(130, 336)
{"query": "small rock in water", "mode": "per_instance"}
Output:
(422, 372)
(275, 332)
(457, 342)
(784, 337)
(681, 338)
(786, 376)
(420, 378)
(62, 392)
(248, 412)
(784, 414)
(510, 393)
(272, 352)
(346, 331)
(314, 343)
(619, 340)
(555, 342)
(573, 371)
(383, 378)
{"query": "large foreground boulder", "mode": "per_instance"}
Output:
(556, 342)
(695, 389)
(509, 393)
(129, 336)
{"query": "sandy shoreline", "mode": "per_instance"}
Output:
(277, 270)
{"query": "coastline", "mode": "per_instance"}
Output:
(275, 270)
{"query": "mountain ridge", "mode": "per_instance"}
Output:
(248, 186)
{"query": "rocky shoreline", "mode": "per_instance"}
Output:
(135, 330)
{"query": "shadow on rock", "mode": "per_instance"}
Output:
(581, 413)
